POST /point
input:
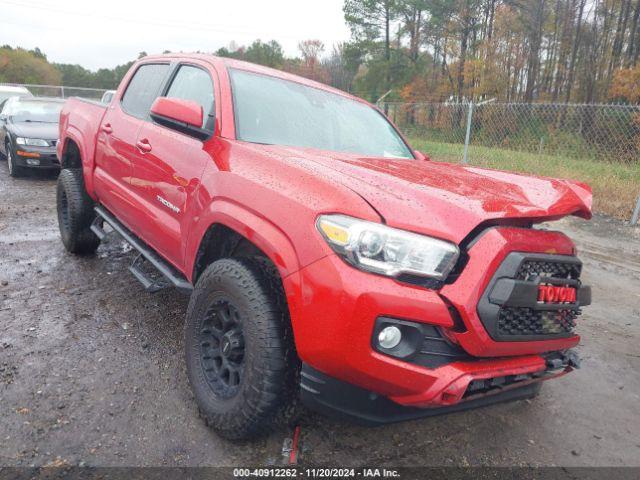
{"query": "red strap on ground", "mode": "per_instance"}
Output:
(293, 455)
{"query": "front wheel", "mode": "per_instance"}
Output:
(14, 170)
(239, 349)
(75, 213)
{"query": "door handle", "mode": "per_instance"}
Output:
(106, 128)
(143, 145)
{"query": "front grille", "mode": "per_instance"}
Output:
(530, 269)
(527, 321)
(521, 317)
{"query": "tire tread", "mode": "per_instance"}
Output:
(273, 377)
(79, 238)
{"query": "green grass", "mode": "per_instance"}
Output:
(616, 186)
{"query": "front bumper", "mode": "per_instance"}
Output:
(347, 402)
(344, 401)
(335, 309)
(36, 157)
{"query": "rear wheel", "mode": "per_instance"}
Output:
(75, 213)
(239, 350)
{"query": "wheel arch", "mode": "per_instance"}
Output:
(232, 230)
(72, 155)
(230, 227)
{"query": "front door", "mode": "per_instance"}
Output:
(168, 167)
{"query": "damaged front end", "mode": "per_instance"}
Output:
(346, 401)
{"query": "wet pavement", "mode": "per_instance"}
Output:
(92, 372)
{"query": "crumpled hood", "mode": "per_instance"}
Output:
(46, 131)
(447, 200)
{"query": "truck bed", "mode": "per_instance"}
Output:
(80, 121)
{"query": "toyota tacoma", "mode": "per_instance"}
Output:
(326, 260)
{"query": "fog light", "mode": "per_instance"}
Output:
(389, 337)
(33, 161)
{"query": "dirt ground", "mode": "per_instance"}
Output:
(92, 372)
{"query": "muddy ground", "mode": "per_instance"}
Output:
(91, 368)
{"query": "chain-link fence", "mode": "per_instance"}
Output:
(599, 144)
(598, 132)
(60, 91)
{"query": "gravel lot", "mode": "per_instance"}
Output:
(91, 369)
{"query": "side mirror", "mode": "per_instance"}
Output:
(184, 116)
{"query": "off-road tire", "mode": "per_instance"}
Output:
(75, 213)
(267, 388)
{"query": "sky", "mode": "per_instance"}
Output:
(105, 34)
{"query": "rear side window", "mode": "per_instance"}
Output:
(143, 89)
(193, 83)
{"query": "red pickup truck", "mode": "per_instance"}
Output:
(325, 258)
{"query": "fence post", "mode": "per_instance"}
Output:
(465, 158)
(636, 213)
(62, 91)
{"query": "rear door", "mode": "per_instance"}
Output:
(116, 142)
(166, 176)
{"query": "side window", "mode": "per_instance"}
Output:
(192, 83)
(143, 89)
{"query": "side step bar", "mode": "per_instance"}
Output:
(147, 254)
(151, 285)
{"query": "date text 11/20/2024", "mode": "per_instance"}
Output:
(292, 472)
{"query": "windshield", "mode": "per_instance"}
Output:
(273, 111)
(34, 111)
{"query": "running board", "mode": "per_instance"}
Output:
(150, 284)
(96, 227)
(146, 254)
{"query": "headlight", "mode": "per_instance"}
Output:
(32, 142)
(387, 251)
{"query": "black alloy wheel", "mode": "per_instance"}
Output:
(222, 348)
